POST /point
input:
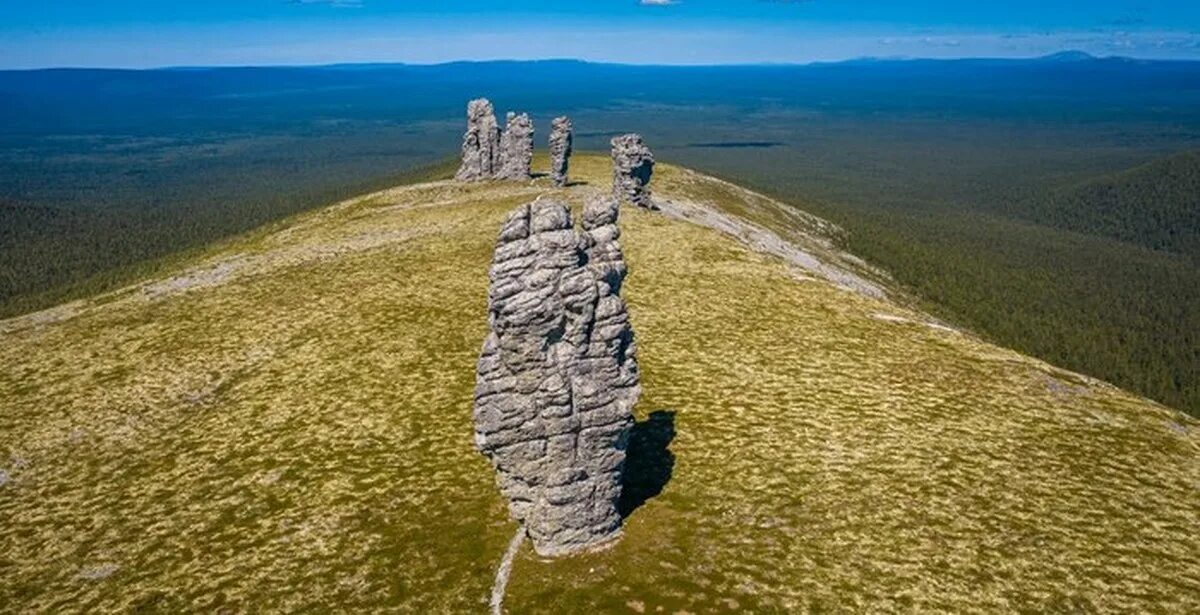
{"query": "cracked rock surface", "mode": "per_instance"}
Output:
(481, 143)
(633, 166)
(557, 377)
(561, 141)
(516, 148)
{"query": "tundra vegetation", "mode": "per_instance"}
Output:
(282, 421)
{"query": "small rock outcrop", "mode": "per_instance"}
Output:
(557, 377)
(633, 166)
(516, 149)
(481, 143)
(562, 136)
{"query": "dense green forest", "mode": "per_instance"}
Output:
(1156, 205)
(1122, 312)
(1049, 205)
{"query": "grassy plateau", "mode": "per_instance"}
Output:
(283, 423)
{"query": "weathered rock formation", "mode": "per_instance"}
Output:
(633, 165)
(481, 143)
(516, 148)
(557, 378)
(561, 140)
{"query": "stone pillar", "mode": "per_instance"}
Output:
(481, 143)
(516, 149)
(562, 138)
(633, 166)
(557, 377)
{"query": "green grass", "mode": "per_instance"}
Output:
(295, 434)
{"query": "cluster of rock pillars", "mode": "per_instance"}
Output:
(557, 378)
(489, 153)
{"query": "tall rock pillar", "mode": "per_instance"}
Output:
(516, 149)
(562, 138)
(557, 377)
(633, 166)
(481, 143)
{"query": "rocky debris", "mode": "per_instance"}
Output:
(812, 255)
(98, 573)
(557, 377)
(633, 165)
(516, 148)
(481, 143)
(562, 138)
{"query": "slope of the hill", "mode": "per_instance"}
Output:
(1155, 205)
(286, 425)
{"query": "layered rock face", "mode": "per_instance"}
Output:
(557, 377)
(633, 166)
(481, 143)
(516, 148)
(562, 136)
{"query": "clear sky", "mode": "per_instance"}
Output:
(148, 33)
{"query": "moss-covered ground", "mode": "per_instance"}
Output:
(285, 425)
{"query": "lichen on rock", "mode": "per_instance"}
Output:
(633, 166)
(557, 377)
(561, 143)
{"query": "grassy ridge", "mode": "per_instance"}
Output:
(1106, 307)
(967, 179)
(285, 425)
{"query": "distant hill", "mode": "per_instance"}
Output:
(1156, 205)
(1068, 56)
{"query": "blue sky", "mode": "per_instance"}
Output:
(149, 33)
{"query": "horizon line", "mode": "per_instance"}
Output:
(1069, 55)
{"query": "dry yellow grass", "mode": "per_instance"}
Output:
(286, 426)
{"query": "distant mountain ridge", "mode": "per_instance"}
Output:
(1067, 56)
(1070, 55)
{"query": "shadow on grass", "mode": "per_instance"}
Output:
(648, 461)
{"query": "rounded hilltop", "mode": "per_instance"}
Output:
(284, 423)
